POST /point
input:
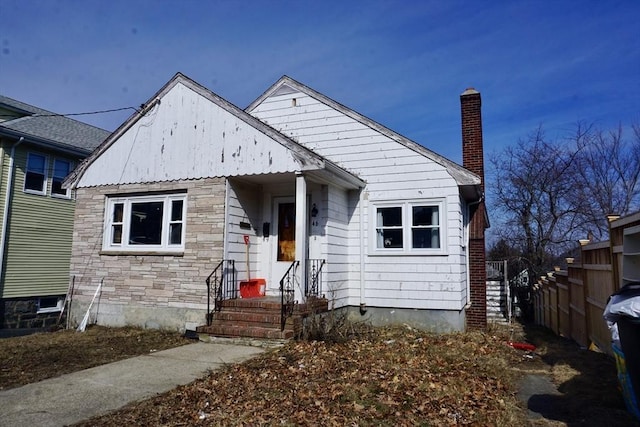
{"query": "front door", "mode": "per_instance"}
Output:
(283, 249)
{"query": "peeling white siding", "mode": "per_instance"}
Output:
(186, 136)
(392, 172)
(243, 207)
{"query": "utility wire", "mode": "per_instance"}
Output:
(73, 114)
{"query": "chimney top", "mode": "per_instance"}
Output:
(470, 91)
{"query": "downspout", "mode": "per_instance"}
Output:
(363, 305)
(7, 203)
(468, 257)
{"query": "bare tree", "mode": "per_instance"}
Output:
(606, 176)
(532, 191)
(550, 193)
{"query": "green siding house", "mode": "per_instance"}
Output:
(38, 149)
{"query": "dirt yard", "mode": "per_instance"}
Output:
(379, 377)
(40, 356)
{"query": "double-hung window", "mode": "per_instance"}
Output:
(408, 227)
(145, 223)
(61, 168)
(35, 179)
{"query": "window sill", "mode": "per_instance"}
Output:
(49, 310)
(35, 193)
(110, 252)
(407, 253)
(60, 196)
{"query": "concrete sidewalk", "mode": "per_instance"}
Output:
(81, 395)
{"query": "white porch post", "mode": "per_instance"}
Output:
(301, 234)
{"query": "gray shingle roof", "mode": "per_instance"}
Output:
(47, 128)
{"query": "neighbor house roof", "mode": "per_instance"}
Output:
(462, 176)
(49, 129)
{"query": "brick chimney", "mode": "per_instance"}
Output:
(473, 160)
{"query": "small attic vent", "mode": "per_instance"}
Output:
(294, 102)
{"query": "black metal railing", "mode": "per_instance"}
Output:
(313, 285)
(221, 285)
(287, 293)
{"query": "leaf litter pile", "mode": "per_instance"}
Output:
(380, 377)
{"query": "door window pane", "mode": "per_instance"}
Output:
(286, 232)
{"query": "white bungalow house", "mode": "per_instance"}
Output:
(300, 194)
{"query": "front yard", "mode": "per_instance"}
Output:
(378, 377)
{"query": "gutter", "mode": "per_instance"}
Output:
(468, 257)
(363, 304)
(46, 143)
(7, 203)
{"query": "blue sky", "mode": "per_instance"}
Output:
(401, 63)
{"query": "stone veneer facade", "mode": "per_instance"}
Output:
(147, 290)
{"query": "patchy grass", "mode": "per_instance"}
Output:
(44, 355)
(375, 377)
(387, 377)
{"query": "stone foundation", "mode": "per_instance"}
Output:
(22, 313)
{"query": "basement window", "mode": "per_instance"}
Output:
(145, 223)
(50, 304)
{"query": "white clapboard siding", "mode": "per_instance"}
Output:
(187, 136)
(392, 171)
(236, 213)
(337, 237)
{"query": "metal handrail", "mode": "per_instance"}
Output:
(221, 285)
(287, 293)
(313, 285)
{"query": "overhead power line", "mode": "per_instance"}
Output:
(74, 114)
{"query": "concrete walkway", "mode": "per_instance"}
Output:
(81, 395)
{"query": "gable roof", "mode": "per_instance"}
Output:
(49, 129)
(286, 84)
(308, 160)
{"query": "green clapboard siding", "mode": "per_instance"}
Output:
(38, 252)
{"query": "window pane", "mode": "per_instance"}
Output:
(425, 215)
(61, 168)
(118, 208)
(390, 238)
(34, 181)
(389, 217)
(176, 210)
(175, 235)
(146, 223)
(286, 232)
(116, 234)
(35, 163)
(425, 238)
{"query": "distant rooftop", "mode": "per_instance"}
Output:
(48, 128)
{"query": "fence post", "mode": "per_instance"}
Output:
(585, 287)
(614, 262)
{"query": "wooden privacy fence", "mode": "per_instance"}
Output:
(571, 301)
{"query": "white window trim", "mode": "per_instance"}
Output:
(45, 183)
(53, 170)
(55, 309)
(406, 206)
(124, 246)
